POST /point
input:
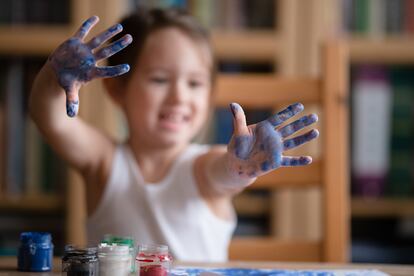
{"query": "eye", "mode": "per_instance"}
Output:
(195, 83)
(159, 79)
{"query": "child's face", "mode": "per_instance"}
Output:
(167, 97)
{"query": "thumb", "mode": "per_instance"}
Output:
(239, 119)
(72, 103)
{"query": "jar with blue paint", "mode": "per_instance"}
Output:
(35, 252)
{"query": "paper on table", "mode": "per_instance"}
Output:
(191, 271)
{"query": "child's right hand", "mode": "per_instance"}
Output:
(74, 61)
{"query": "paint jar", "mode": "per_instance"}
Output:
(114, 260)
(80, 261)
(153, 260)
(35, 252)
(118, 240)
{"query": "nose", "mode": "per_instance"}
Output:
(178, 92)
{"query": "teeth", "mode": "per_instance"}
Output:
(174, 117)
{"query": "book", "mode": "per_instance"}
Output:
(347, 15)
(402, 148)
(361, 15)
(233, 16)
(33, 139)
(33, 164)
(260, 14)
(54, 171)
(393, 16)
(408, 17)
(376, 20)
(2, 128)
(203, 11)
(15, 127)
(371, 115)
(34, 12)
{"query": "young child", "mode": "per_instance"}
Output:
(157, 186)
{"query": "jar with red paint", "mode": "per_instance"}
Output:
(153, 260)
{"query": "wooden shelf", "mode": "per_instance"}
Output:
(258, 46)
(250, 205)
(31, 40)
(389, 50)
(52, 203)
(264, 87)
(382, 207)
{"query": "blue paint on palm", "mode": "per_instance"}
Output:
(265, 166)
(242, 146)
(259, 148)
(75, 62)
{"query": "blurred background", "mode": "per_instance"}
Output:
(278, 37)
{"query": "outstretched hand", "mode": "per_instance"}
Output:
(257, 149)
(74, 61)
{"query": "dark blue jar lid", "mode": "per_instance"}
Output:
(89, 254)
(35, 237)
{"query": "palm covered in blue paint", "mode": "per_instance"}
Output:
(257, 149)
(75, 62)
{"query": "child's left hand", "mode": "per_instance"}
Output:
(258, 149)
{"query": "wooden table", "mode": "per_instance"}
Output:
(8, 267)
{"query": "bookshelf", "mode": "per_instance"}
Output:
(310, 23)
(384, 38)
(22, 40)
(278, 46)
(291, 47)
(320, 19)
(381, 36)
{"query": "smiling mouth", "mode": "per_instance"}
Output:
(173, 120)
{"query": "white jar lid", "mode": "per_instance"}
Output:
(113, 249)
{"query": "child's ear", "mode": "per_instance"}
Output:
(114, 88)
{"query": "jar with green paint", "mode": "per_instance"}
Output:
(120, 240)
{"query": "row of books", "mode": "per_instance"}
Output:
(27, 164)
(378, 17)
(34, 11)
(383, 131)
(228, 14)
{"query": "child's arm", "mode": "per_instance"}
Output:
(253, 151)
(57, 85)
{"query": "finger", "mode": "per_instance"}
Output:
(299, 140)
(113, 48)
(72, 104)
(111, 71)
(239, 119)
(290, 161)
(298, 125)
(285, 114)
(104, 36)
(86, 27)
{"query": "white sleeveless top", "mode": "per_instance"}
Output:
(170, 212)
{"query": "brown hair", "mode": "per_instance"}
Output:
(143, 22)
